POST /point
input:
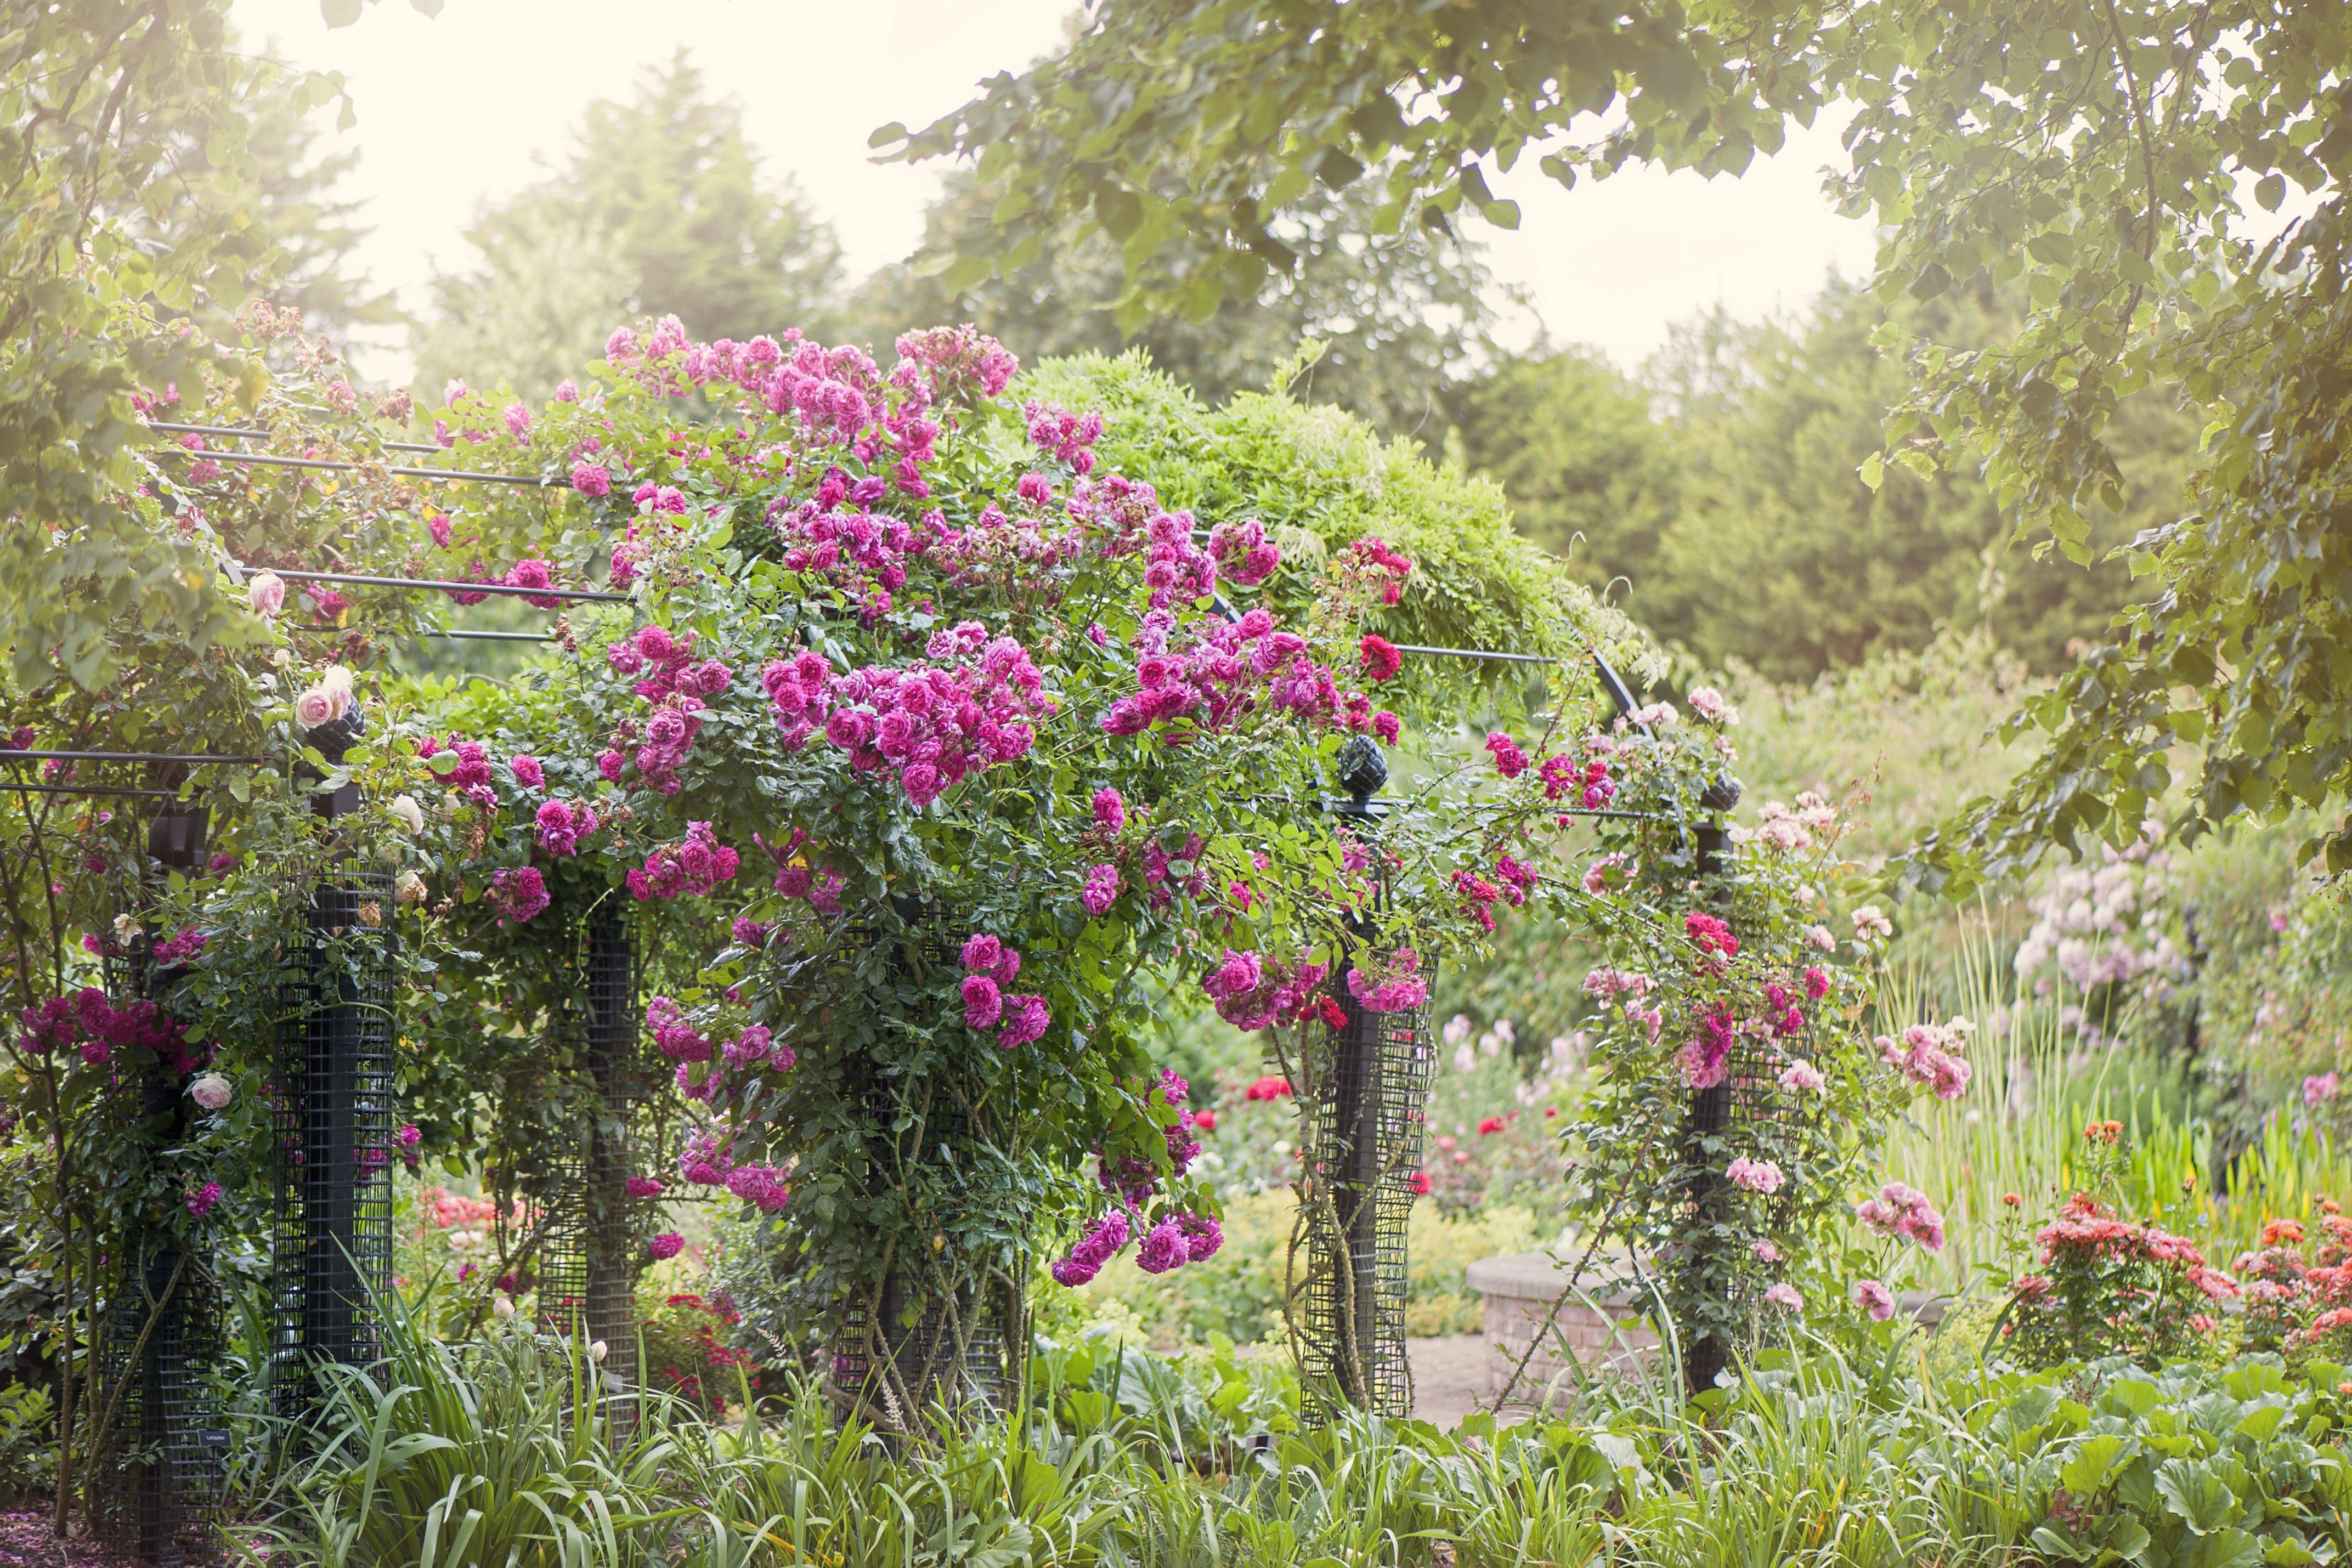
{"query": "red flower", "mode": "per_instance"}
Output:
(1268, 1087)
(1333, 1015)
(1204, 1120)
(1380, 657)
(1491, 1125)
(1421, 1183)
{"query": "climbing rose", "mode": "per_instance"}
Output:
(1163, 1249)
(267, 594)
(591, 479)
(1784, 1295)
(982, 1003)
(1101, 889)
(1110, 811)
(644, 1187)
(1509, 761)
(528, 772)
(212, 1092)
(206, 1197)
(1755, 1176)
(1874, 1299)
(669, 1244)
(1379, 657)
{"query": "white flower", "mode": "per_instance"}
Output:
(408, 889)
(126, 930)
(1457, 1029)
(1869, 921)
(212, 1090)
(598, 1350)
(501, 1306)
(1490, 1044)
(410, 815)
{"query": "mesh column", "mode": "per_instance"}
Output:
(167, 1431)
(334, 1111)
(1370, 1116)
(1711, 1112)
(613, 1251)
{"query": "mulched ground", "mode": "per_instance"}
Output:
(25, 1543)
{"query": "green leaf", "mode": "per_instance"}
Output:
(1873, 470)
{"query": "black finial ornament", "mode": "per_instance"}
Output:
(335, 736)
(1722, 794)
(1362, 772)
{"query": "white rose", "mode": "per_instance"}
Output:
(126, 930)
(410, 815)
(212, 1090)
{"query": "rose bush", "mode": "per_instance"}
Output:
(932, 734)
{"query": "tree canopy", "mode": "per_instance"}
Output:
(1395, 316)
(661, 208)
(2112, 157)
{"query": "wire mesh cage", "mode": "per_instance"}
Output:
(948, 1329)
(1366, 1128)
(590, 1256)
(333, 1112)
(953, 1345)
(163, 1434)
(1727, 1113)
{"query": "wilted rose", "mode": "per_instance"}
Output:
(408, 813)
(371, 914)
(212, 1090)
(267, 594)
(409, 888)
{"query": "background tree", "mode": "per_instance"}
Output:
(1592, 475)
(1398, 316)
(661, 208)
(2100, 154)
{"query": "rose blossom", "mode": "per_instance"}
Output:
(1874, 1299)
(1755, 1176)
(1784, 1296)
(267, 594)
(212, 1090)
(669, 1244)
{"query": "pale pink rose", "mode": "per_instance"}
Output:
(316, 707)
(1874, 1299)
(212, 1090)
(1784, 1296)
(267, 593)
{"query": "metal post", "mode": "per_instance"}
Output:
(1370, 1120)
(171, 1480)
(615, 1253)
(1710, 1112)
(335, 1222)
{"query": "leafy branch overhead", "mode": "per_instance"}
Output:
(2164, 180)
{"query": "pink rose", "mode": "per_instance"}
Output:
(267, 594)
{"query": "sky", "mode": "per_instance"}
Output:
(468, 107)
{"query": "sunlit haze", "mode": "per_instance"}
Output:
(468, 107)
